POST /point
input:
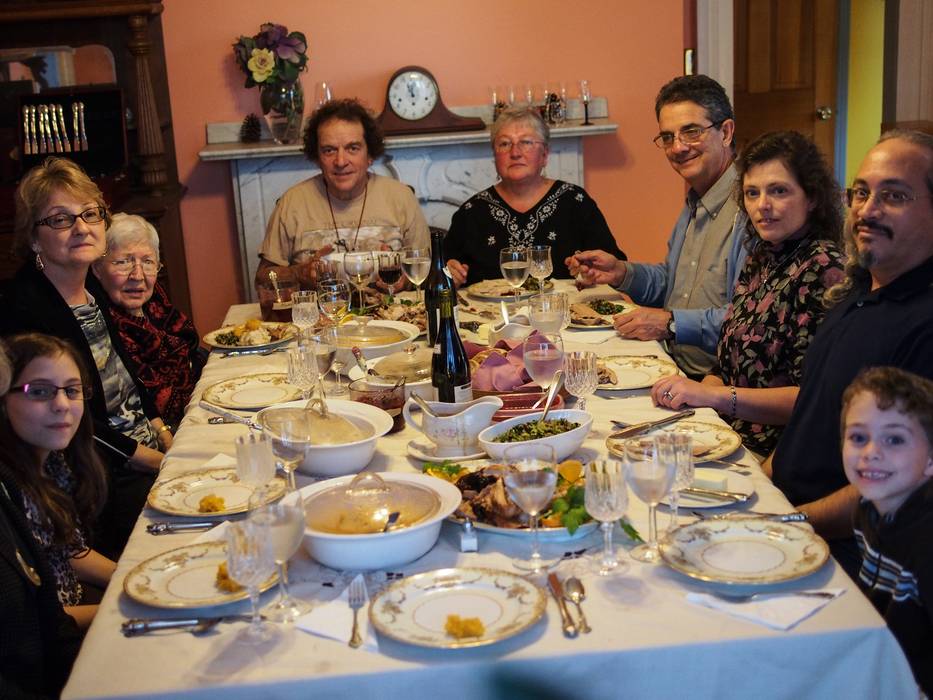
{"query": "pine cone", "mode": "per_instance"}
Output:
(250, 130)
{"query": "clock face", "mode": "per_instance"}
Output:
(412, 95)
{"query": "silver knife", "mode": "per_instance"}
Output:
(648, 426)
(774, 517)
(139, 625)
(716, 493)
(163, 528)
(229, 416)
(557, 590)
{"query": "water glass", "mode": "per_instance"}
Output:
(513, 263)
(677, 447)
(359, 268)
(305, 312)
(580, 375)
(606, 498)
(250, 562)
(540, 265)
(290, 431)
(323, 346)
(302, 369)
(531, 488)
(323, 93)
(651, 478)
(543, 355)
(548, 312)
(255, 463)
(286, 522)
(333, 298)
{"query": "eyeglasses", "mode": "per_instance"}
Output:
(126, 265)
(889, 199)
(41, 391)
(688, 136)
(525, 145)
(94, 215)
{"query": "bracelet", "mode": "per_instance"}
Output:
(734, 400)
(163, 428)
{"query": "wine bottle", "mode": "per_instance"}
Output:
(450, 368)
(437, 281)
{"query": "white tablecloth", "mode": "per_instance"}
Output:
(647, 640)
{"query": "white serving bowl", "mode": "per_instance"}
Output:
(370, 352)
(381, 550)
(423, 388)
(564, 444)
(348, 458)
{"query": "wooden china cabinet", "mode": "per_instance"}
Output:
(134, 162)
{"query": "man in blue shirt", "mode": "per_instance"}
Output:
(685, 298)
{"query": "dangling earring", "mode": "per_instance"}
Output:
(39, 264)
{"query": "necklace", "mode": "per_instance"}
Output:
(30, 572)
(339, 241)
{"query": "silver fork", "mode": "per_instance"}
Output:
(357, 600)
(779, 594)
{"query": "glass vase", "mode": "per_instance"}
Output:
(283, 106)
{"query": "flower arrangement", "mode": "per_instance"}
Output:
(273, 56)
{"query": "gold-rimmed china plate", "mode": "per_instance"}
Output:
(185, 577)
(500, 290)
(182, 495)
(252, 391)
(710, 441)
(744, 551)
(635, 371)
(414, 610)
(287, 331)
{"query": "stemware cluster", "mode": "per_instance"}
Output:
(550, 97)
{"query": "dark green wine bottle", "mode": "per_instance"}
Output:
(450, 368)
(437, 281)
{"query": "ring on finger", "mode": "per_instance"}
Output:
(667, 395)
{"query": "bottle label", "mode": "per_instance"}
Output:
(464, 392)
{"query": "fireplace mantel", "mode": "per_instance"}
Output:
(443, 169)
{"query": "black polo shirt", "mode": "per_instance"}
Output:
(891, 326)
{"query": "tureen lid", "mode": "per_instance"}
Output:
(413, 363)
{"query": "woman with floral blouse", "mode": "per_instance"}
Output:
(794, 228)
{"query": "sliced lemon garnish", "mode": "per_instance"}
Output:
(570, 470)
(346, 319)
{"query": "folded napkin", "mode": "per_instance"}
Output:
(780, 612)
(334, 620)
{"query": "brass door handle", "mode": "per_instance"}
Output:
(824, 113)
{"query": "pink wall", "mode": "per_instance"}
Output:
(626, 49)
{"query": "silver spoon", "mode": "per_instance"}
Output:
(552, 392)
(573, 588)
(760, 596)
(423, 405)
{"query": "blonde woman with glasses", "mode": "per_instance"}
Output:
(524, 208)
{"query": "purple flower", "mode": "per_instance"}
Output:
(290, 49)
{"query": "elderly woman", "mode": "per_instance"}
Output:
(794, 228)
(159, 338)
(59, 231)
(524, 208)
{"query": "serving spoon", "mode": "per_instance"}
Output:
(573, 588)
(552, 392)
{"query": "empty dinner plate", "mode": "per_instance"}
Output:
(252, 391)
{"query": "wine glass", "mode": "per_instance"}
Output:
(250, 561)
(305, 312)
(323, 93)
(416, 263)
(359, 268)
(580, 375)
(585, 97)
(286, 522)
(677, 446)
(539, 263)
(324, 270)
(650, 478)
(513, 263)
(606, 498)
(323, 347)
(290, 431)
(389, 270)
(333, 298)
(531, 487)
(543, 355)
(255, 464)
(547, 312)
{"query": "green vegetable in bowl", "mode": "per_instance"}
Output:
(535, 429)
(228, 338)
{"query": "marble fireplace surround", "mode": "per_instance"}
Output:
(444, 170)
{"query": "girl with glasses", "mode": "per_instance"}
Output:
(50, 468)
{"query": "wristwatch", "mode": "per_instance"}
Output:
(672, 327)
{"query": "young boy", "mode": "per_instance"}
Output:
(887, 451)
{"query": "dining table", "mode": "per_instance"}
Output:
(648, 638)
